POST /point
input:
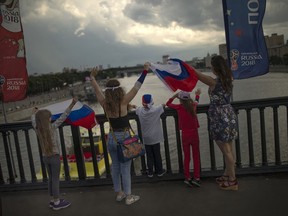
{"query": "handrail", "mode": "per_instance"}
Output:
(266, 112)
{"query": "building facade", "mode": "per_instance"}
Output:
(276, 46)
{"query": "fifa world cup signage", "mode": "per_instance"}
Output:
(248, 56)
(13, 70)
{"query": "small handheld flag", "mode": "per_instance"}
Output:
(81, 114)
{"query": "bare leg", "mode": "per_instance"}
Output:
(231, 182)
(226, 149)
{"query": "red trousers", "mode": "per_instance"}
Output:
(190, 138)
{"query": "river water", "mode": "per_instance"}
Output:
(266, 86)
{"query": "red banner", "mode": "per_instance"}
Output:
(13, 72)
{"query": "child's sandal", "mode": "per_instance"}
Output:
(221, 179)
(229, 185)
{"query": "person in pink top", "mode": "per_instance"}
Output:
(188, 124)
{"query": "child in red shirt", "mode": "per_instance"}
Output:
(188, 124)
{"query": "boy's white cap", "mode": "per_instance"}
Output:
(184, 95)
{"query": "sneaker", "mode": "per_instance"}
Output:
(161, 173)
(51, 203)
(188, 182)
(150, 174)
(195, 182)
(62, 204)
(131, 199)
(120, 197)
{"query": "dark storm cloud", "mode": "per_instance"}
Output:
(198, 14)
(68, 33)
(187, 13)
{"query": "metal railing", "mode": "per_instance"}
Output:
(260, 148)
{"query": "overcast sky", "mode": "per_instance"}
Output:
(85, 33)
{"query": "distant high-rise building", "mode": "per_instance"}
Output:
(208, 59)
(276, 46)
(223, 50)
(274, 40)
(165, 59)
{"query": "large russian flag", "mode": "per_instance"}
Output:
(176, 74)
(81, 114)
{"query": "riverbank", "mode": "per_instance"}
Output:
(19, 110)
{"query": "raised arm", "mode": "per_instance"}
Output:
(132, 93)
(170, 100)
(208, 80)
(65, 114)
(197, 95)
(99, 94)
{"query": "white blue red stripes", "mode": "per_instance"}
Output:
(176, 75)
(81, 114)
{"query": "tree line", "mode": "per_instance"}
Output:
(56, 81)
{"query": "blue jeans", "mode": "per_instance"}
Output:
(120, 171)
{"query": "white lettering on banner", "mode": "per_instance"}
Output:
(253, 6)
(251, 57)
(248, 63)
(11, 16)
(11, 19)
(250, 60)
(13, 85)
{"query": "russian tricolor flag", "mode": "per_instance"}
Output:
(81, 114)
(176, 74)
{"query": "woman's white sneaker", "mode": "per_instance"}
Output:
(131, 199)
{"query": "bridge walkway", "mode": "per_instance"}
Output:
(262, 195)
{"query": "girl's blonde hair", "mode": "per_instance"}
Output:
(44, 131)
(113, 97)
(188, 105)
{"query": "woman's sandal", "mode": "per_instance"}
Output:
(229, 185)
(221, 179)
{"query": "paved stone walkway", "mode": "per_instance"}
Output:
(257, 195)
